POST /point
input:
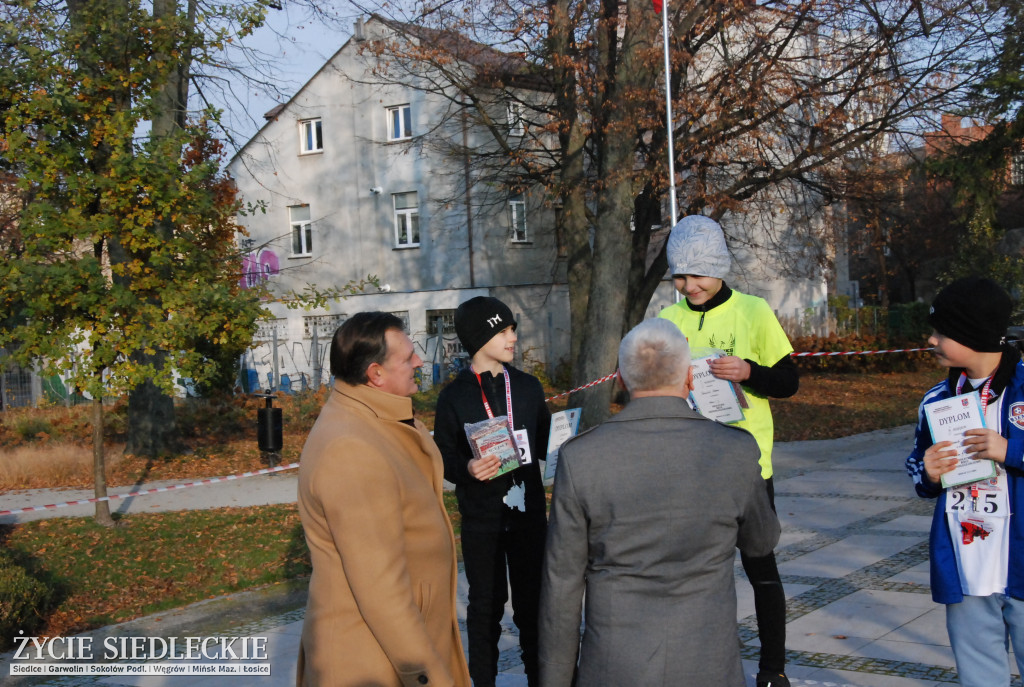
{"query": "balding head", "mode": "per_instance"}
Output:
(654, 359)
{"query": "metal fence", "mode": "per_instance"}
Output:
(18, 387)
(904, 321)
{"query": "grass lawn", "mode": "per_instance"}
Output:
(835, 405)
(155, 561)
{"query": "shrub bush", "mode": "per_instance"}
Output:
(302, 409)
(221, 415)
(909, 322)
(882, 362)
(24, 600)
(31, 428)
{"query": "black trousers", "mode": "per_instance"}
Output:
(769, 604)
(486, 558)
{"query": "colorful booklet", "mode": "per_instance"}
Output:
(948, 419)
(492, 437)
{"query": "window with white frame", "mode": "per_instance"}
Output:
(302, 230)
(311, 136)
(515, 119)
(399, 122)
(517, 218)
(407, 219)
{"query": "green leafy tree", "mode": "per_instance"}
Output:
(979, 172)
(126, 262)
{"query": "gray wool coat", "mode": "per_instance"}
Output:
(648, 510)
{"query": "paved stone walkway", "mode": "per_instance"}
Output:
(853, 558)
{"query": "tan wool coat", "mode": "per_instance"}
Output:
(381, 609)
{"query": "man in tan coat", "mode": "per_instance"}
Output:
(381, 607)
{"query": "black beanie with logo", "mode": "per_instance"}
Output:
(973, 311)
(479, 319)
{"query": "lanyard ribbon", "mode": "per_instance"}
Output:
(986, 394)
(508, 397)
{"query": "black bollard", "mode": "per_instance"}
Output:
(269, 436)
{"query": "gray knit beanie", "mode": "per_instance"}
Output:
(696, 246)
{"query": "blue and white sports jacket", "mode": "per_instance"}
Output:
(945, 579)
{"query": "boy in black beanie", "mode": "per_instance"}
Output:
(504, 523)
(977, 535)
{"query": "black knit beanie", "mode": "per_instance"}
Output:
(479, 319)
(973, 311)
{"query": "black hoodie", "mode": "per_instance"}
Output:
(481, 503)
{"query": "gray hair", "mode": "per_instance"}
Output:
(654, 355)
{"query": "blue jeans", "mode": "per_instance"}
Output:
(980, 631)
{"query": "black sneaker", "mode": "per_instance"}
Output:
(772, 680)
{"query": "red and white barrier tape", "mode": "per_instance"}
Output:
(155, 490)
(585, 386)
(292, 466)
(794, 354)
(831, 353)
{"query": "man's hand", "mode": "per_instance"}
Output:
(938, 460)
(730, 368)
(986, 443)
(485, 468)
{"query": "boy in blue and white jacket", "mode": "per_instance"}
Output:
(977, 534)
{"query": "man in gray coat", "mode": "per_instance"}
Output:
(648, 510)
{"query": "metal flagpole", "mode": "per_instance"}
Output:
(669, 129)
(668, 114)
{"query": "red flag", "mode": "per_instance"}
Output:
(657, 6)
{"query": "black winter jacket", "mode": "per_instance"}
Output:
(480, 503)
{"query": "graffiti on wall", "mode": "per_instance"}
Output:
(453, 349)
(258, 268)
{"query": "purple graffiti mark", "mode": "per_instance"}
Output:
(269, 265)
(258, 268)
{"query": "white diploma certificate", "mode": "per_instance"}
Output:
(563, 426)
(948, 420)
(712, 397)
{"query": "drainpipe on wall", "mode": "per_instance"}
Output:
(469, 205)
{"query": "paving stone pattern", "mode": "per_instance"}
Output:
(853, 559)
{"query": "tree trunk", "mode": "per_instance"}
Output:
(576, 232)
(611, 259)
(152, 430)
(643, 280)
(99, 468)
(606, 318)
(572, 182)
